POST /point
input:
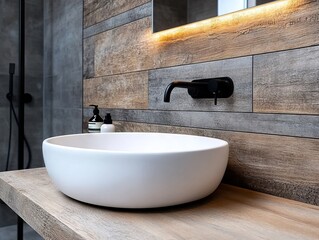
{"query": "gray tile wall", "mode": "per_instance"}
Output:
(10, 233)
(53, 75)
(62, 111)
(9, 35)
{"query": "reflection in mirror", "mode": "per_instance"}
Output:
(173, 13)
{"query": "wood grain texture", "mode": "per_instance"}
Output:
(96, 11)
(88, 57)
(282, 166)
(289, 125)
(117, 91)
(229, 213)
(124, 49)
(287, 82)
(239, 69)
(259, 30)
(119, 20)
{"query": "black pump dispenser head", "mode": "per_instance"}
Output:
(108, 119)
(96, 111)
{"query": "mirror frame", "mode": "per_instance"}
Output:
(178, 14)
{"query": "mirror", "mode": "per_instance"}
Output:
(174, 13)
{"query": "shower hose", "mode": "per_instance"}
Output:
(12, 112)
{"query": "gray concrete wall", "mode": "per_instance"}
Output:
(9, 35)
(53, 75)
(62, 67)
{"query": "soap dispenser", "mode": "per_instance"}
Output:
(107, 126)
(95, 122)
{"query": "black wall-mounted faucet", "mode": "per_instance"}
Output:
(222, 87)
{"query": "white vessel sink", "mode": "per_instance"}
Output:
(135, 170)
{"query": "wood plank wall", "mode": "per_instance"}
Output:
(271, 53)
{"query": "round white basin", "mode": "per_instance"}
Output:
(135, 170)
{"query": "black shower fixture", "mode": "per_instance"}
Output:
(27, 97)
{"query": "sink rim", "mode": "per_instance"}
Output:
(219, 143)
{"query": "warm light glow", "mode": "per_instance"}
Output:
(265, 11)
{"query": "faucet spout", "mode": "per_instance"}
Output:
(179, 84)
(221, 87)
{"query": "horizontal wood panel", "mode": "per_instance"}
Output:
(287, 82)
(96, 11)
(91, 6)
(239, 69)
(119, 20)
(118, 91)
(283, 166)
(255, 215)
(290, 125)
(88, 57)
(124, 49)
(294, 25)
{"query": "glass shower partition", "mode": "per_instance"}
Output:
(20, 143)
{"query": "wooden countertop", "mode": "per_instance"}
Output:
(229, 213)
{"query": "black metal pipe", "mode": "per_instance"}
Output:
(20, 229)
(11, 74)
(179, 84)
(21, 86)
(21, 100)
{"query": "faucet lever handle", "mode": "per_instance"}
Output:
(213, 87)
